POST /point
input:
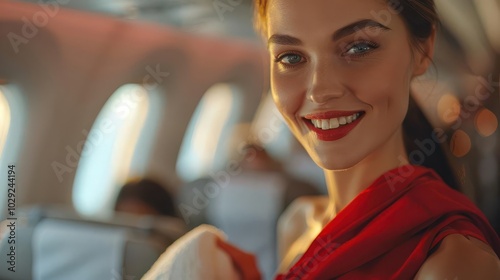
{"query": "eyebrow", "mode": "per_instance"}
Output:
(337, 35)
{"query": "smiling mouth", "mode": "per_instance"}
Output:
(334, 123)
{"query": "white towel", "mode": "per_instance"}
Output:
(194, 256)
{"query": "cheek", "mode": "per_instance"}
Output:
(287, 95)
(386, 85)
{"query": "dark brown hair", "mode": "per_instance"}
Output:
(150, 192)
(420, 17)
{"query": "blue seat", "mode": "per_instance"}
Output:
(57, 244)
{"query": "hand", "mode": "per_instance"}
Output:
(244, 262)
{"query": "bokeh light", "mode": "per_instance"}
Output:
(460, 143)
(448, 108)
(486, 123)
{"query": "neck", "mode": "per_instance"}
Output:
(345, 185)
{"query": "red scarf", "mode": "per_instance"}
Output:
(387, 231)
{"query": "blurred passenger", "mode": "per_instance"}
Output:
(145, 197)
(257, 160)
(248, 207)
(195, 197)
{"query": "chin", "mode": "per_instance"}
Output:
(330, 159)
(335, 163)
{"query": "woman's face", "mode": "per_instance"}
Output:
(340, 75)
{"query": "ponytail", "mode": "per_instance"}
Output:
(416, 127)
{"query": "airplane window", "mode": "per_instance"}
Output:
(203, 146)
(12, 115)
(147, 136)
(111, 147)
(271, 130)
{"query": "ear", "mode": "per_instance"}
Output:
(423, 56)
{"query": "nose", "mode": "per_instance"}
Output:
(326, 84)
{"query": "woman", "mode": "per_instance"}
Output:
(340, 76)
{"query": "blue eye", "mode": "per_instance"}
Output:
(289, 59)
(360, 48)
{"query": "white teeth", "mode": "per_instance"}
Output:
(333, 123)
(325, 124)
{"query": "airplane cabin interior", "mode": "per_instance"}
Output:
(97, 97)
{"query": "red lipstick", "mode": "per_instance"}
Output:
(335, 133)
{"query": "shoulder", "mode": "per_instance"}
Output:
(304, 206)
(301, 210)
(297, 219)
(460, 257)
